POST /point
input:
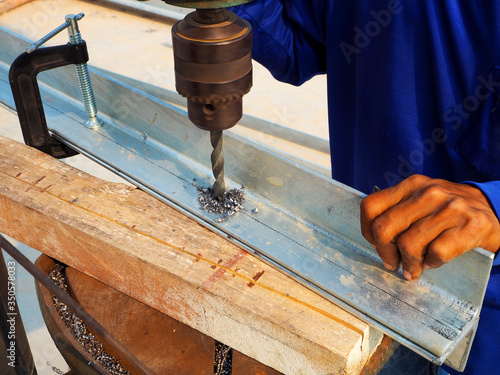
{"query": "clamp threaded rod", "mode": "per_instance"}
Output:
(82, 73)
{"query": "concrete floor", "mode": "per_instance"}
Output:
(138, 45)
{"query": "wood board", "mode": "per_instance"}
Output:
(145, 249)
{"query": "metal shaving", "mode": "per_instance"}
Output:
(227, 205)
(55, 369)
(78, 328)
(223, 359)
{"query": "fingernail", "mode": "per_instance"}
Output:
(388, 266)
(407, 275)
(426, 266)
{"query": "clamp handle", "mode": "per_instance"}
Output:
(23, 81)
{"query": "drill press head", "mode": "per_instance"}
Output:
(213, 63)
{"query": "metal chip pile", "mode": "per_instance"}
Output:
(225, 206)
(78, 328)
(223, 359)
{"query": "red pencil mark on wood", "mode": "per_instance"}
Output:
(45, 188)
(207, 284)
(255, 278)
(37, 181)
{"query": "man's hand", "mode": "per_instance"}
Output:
(427, 222)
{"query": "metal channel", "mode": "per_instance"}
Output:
(307, 225)
(261, 126)
(155, 7)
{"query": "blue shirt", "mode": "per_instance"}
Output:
(413, 87)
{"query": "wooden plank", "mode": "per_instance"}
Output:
(143, 248)
(7, 5)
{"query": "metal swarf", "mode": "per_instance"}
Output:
(223, 362)
(226, 205)
(79, 329)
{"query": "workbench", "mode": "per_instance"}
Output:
(141, 247)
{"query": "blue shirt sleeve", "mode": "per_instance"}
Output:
(491, 190)
(288, 37)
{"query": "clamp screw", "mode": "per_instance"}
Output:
(83, 75)
(82, 71)
(52, 34)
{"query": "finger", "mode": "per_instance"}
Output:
(382, 235)
(447, 246)
(389, 253)
(373, 206)
(413, 243)
(388, 228)
(466, 228)
(377, 203)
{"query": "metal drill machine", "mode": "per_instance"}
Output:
(213, 70)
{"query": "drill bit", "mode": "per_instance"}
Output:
(217, 159)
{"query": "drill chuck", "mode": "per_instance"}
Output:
(213, 66)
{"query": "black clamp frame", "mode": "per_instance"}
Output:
(23, 81)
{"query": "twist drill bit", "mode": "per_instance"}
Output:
(217, 159)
